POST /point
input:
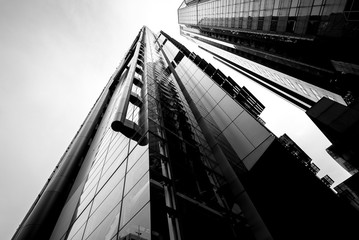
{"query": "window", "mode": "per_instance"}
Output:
(291, 24)
(132, 112)
(136, 89)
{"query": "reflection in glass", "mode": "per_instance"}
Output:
(105, 209)
(77, 235)
(136, 154)
(107, 228)
(135, 200)
(141, 166)
(78, 227)
(109, 195)
(139, 226)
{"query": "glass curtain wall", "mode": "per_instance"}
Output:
(160, 180)
(289, 16)
(225, 51)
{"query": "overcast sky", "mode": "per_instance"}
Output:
(55, 58)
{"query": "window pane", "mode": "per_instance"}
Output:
(135, 200)
(139, 225)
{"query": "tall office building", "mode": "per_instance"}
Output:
(298, 153)
(174, 149)
(337, 156)
(349, 190)
(340, 124)
(300, 50)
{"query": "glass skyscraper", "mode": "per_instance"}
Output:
(174, 149)
(301, 50)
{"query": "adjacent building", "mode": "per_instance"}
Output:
(349, 190)
(328, 181)
(300, 50)
(174, 149)
(337, 156)
(340, 124)
(298, 153)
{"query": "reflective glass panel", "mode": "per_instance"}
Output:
(135, 199)
(139, 225)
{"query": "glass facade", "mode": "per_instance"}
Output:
(333, 152)
(300, 41)
(172, 149)
(227, 119)
(348, 191)
(149, 159)
(281, 82)
(299, 17)
(114, 200)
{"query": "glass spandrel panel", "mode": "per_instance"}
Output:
(140, 225)
(135, 199)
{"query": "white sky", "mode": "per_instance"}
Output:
(56, 57)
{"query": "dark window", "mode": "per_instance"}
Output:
(218, 77)
(202, 64)
(209, 70)
(178, 57)
(291, 24)
(197, 60)
(312, 27)
(249, 23)
(352, 5)
(228, 88)
(260, 23)
(274, 23)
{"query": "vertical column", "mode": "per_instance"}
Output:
(130, 115)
